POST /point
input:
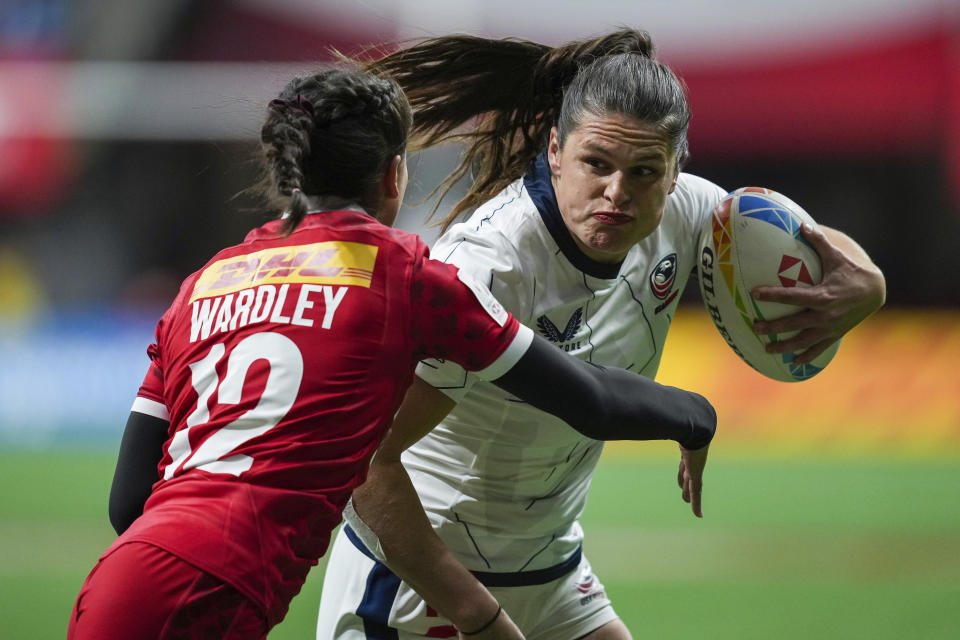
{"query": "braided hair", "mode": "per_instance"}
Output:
(332, 134)
(502, 97)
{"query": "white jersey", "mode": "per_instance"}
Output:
(504, 483)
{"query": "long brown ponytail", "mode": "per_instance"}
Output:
(499, 97)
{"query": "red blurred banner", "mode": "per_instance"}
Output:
(894, 95)
(34, 166)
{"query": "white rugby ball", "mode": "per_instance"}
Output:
(753, 238)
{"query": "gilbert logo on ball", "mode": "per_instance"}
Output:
(753, 238)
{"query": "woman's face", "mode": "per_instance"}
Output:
(612, 178)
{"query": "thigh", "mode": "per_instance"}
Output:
(574, 606)
(141, 591)
(210, 608)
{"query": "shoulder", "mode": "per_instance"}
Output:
(505, 206)
(353, 226)
(408, 244)
(506, 223)
(694, 192)
(693, 199)
(360, 226)
(501, 245)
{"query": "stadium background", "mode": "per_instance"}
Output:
(832, 506)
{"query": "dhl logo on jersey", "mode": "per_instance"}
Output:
(343, 263)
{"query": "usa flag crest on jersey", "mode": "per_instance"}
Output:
(663, 276)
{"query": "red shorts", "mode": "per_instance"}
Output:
(140, 591)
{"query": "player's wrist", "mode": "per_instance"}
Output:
(490, 622)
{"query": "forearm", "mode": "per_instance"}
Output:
(140, 451)
(389, 506)
(608, 403)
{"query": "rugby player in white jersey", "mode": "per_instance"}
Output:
(586, 231)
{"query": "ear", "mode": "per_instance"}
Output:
(390, 183)
(553, 152)
(676, 175)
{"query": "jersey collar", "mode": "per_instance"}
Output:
(537, 182)
(347, 207)
(335, 218)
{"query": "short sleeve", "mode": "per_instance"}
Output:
(149, 398)
(489, 257)
(457, 318)
(695, 198)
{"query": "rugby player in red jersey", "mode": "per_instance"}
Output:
(276, 373)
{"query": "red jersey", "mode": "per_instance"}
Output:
(280, 365)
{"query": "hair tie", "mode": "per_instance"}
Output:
(285, 106)
(304, 105)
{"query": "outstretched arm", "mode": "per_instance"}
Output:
(852, 288)
(608, 403)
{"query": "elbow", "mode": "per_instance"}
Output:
(874, 287)
(120, 518)
(881, 288)
(703, 423)
(123, 510)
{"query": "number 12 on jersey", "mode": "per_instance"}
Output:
(279, 394)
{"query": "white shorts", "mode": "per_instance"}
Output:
(362, 599)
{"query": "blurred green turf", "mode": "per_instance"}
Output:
(788, 548)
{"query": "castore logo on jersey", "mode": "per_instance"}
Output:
(550, 331)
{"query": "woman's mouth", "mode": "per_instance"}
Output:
(611, 218)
